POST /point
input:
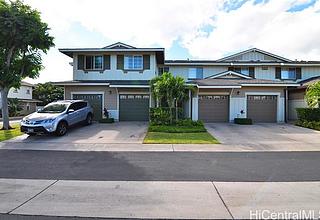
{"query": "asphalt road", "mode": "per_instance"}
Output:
(160, 166)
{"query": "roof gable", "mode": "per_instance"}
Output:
(229, 75)
(254, 54)
(119, 45)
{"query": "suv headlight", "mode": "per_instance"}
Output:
(49, 120)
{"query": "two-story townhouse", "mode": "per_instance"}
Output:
(253, 83)
(115, 77)
(24, 96)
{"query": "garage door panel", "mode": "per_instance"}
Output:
(95, 101)
(134, 107)
(214, 108)
(262, 108)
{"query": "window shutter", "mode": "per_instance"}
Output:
(106, 62)
(80, 62)
(230, 68)
(298, 73)
(278, 73)
(146, 62)
(251, 72)
(120, 62)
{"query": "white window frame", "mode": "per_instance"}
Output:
(126, 62)
(93, 62)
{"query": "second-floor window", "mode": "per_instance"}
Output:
(195, 73)
(93, 62)
(288, 73)
(133, 62)
(242, 70)
(28, 91)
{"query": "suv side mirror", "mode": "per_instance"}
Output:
(70, 110)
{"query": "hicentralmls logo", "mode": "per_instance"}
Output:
(268, 214)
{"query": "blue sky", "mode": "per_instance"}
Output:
(206, 29)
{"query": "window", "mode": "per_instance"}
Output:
(288, 73)
(164, 69)
(28, 91)
(93, 62)
(196, 73)
(242, 70)
(133, 62)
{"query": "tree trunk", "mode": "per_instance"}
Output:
(176, 110)
(5, 111)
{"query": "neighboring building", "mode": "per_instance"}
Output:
(253, 83)
(24, 96)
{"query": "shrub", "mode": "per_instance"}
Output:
(243, 121)
(189, 122)
(309, 124)
(161, 116)
(106, 120)
(308, 114)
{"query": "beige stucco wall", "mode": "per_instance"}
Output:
(244, 90)
(110, 94)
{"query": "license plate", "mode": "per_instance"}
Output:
(30, 130)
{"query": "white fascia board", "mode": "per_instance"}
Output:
(219, 87)
(129, 86)
(111, 50)
(279, 85)
(229, 73)
(240, 64)
(82, 84)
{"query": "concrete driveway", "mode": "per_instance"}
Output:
(265, 136)
(120, 132)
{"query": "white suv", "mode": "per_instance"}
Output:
(56, 117)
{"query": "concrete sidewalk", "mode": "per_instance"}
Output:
(148, 199)
(136, 147)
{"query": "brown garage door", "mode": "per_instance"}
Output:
(214, 108)
(262, 108)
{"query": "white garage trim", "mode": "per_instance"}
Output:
(91, 93)
(280, 103)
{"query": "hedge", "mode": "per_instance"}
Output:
(308, 114)
(309, 124)
(243, 121)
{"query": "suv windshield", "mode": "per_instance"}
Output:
(54, 108)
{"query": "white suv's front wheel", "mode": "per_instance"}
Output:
(61, 128)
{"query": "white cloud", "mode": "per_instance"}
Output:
(267, 26)
(152, 22)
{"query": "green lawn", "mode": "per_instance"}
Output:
(5, 135)
(171, 134)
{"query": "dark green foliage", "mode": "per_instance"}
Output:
(106, 120)
(243, 121)
(308, 114)
(47, 92)
(309, 124)
(14, 107)
(23, 39)
(162, 116)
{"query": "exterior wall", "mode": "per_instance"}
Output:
(183, 71)
(114, 73)
(265, 74)
(110, 95)
(308, 72)
(22, 93)
(253, 56)
(296, 100)
(27, 108)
